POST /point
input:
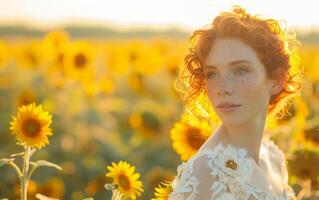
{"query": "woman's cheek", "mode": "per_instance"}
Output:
(250, 86)
(253, 92)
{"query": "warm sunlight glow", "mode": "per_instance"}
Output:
(125, 13)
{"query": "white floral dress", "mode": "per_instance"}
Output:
(223, 173)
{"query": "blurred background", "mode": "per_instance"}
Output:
(105, 70)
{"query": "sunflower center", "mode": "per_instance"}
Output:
(195, 138)
(133, 56)
(151, 122)
(32, 58)
(31, 127)
(80, 60)
(312, 134)
(56, 42)
(124, 182)
(26, 100)
(60, 58)
(305, 173)
(231, 164)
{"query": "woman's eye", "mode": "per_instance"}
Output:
(211, 75)
(241, 71)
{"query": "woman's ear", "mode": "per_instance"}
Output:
(276, 88)
(278, 84)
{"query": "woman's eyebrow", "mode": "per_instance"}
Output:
(232, 63)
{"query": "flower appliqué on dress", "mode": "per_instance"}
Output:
(231, 164)
(184, 181)
(231, 170)
(231, 161)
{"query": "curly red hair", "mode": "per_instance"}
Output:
(274, 46)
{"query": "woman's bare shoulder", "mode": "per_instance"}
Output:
(276, 154)
(216, 138)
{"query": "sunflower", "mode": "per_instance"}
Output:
(143, 59)
(79, 58)
(117, 59)
(4, 55)
(54, 44)
(31, 126)
(123, 175)
(188, 135)
(311, 134)
(146, 123)
(304, 162)
(29, 55)
(162, 191)
(57, 62)
(55, 40)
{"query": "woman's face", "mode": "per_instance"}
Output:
(234, 74)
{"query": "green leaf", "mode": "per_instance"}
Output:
(5, 161)
(32, 152)
(17, 154)
(48, 164)
(43, 197)
(33, 163)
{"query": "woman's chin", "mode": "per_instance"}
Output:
(235, 120)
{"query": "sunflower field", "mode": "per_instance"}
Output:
(101, 119)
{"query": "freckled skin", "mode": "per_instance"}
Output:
(251, 88)
(246, 84)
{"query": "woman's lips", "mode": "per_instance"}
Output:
(227, 109)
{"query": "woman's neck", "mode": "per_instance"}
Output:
(247, 136)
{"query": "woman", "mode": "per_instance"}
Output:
(243, 64)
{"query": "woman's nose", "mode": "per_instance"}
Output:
(225, 86)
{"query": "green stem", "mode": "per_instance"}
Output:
(24, 180)
(16, 168)
(31, 171)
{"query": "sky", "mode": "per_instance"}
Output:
(187, 14)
